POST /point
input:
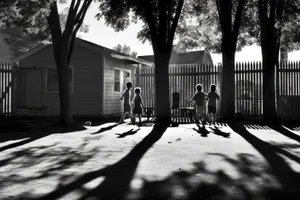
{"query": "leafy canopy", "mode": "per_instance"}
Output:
(125, 49)
(30, 17)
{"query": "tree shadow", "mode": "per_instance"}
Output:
(289, 179)
(284, 131)
(35, 134)
(130, 132)
(101, 130)
(217, 131)
(117, 177)
(58, 159)
(254, 181)
(201, 130)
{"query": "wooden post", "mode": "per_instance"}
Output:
(277, 87)
(137, 77)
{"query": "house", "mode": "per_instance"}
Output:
(97, 77)
(191, 57)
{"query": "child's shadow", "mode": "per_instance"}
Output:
(202, 130)
(130, 132)
(217, 131)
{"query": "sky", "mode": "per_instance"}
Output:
(106, 36)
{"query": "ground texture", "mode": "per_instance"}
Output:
(123, 161)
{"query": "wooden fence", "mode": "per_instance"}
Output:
(288, 87)
(248, 86)
(6, 88)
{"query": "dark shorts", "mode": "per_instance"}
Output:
(127, 107)
(212, 109)
(137, 110)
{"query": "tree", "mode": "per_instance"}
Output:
(20, 42)
(230, 31)
(161, 18)
(125, 49)
(32, 16)
(218, 26)
(276, 19)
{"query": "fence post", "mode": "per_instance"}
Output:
(277, 66)
(137, 77)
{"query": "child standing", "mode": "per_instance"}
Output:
(199, 99)
(137, 105)
(212, 103)
(126, 102)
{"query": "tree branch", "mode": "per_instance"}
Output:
(162, 18)
(71, 16)
(54, 25)
(237, 20)
(175, 22)
(148, 11)
(83, 10)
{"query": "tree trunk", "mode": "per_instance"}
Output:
(66, 117)
(163, 115)
(269, 109)
(228, 83)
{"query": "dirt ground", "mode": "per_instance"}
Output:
(122, 161)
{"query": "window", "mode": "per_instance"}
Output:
(117, 80)
(52, 80)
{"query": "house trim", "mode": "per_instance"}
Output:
(91, 46)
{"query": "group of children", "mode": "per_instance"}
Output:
(137, 104)
(199, 100)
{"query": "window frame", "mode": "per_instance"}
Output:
(46, 80)
(119, 69)
(122, 70)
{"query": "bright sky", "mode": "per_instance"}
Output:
(103, 35)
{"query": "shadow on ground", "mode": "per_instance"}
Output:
(130, 132)
(273, 179)
(25, 137)
(117, 177)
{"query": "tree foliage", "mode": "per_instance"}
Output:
(125, 49)
(202, 27)
(29, 35)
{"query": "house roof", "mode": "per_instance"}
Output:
(94, 47)
(13, 31)
(191, 57)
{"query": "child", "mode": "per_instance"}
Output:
(126, 102)
(212, 104)
(137, 105)
(199, 99)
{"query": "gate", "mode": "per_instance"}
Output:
(7, 88)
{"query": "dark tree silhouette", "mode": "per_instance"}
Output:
(218, 27)
(43, 16)
(161, 19)
(274, 19)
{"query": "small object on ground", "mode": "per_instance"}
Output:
(169, 142)
(179, 168)
(178, 139)
(88, 123)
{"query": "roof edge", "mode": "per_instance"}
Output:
(30, 52)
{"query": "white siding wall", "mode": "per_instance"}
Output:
(112, 102)
(87, 82)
